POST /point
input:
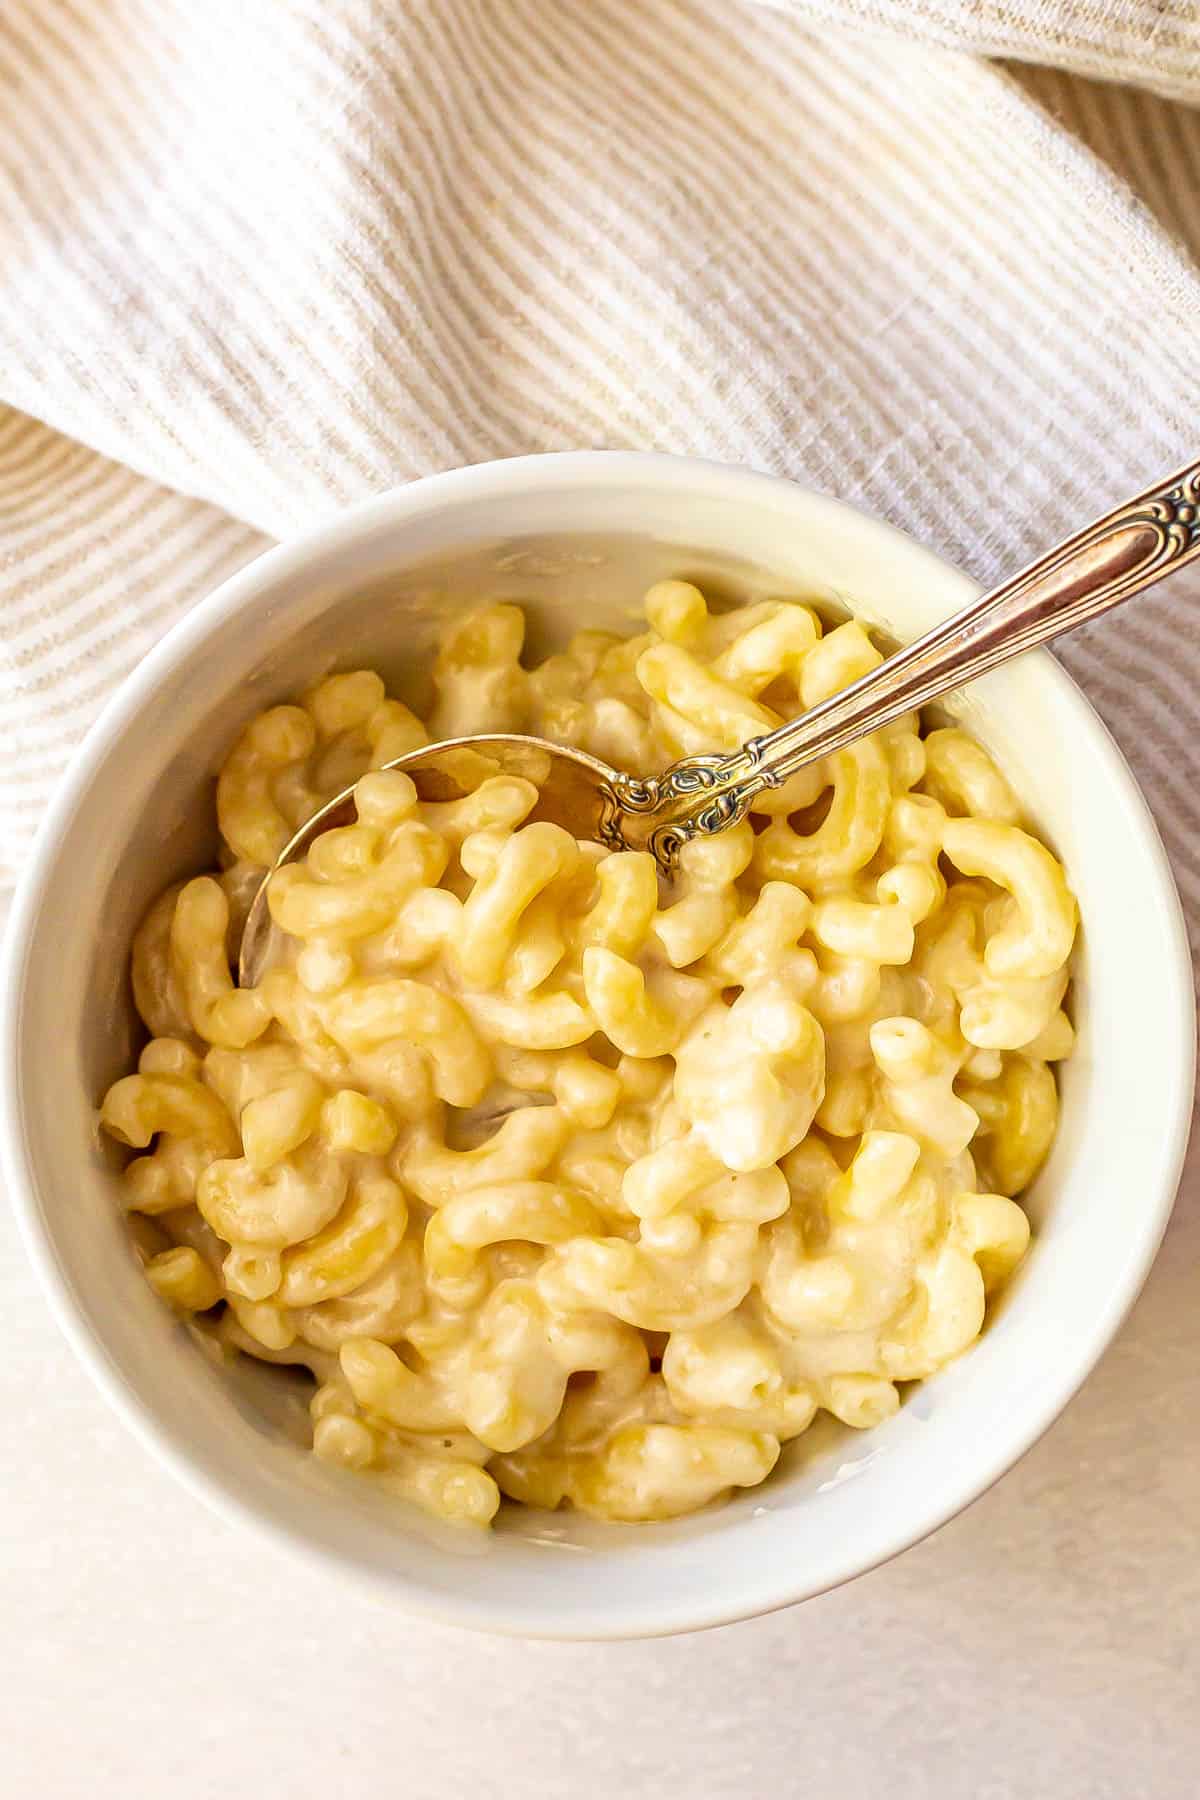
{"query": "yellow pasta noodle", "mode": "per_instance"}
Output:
(565, 1182)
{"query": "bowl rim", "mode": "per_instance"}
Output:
(555, 470)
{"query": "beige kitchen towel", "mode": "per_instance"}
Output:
(259, 258)
(1152, 43)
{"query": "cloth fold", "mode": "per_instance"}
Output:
(262, 260)
(1154, 44)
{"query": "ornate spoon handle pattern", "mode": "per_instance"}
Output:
(1138, 543)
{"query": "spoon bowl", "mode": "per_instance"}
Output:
(575, 790)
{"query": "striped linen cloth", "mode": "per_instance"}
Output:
(262, 259)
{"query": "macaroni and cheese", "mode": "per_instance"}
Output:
(566, 1184)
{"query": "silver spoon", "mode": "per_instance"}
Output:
(1128, 549)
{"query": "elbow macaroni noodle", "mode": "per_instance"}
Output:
(564, 1185)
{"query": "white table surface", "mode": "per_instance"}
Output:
(1042, 1645)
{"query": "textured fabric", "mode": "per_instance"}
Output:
(260, 260)
(1153, 43)
(1150, 143)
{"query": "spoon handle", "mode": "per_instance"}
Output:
(1138, 543)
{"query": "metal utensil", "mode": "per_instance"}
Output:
(1135, 545)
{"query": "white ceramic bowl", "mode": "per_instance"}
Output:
(577, 538)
